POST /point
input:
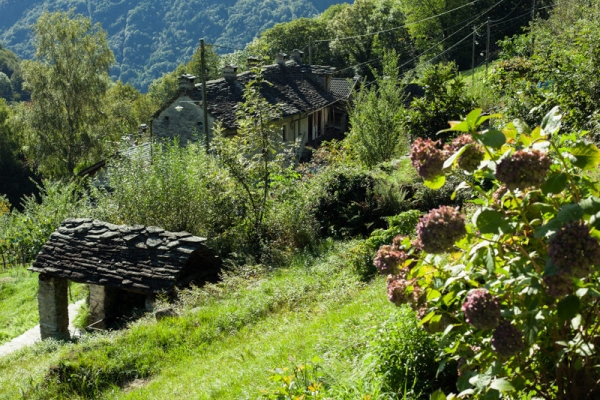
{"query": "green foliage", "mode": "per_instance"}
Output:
(178, 189)
(253, 157)
(405, 355)
(217, 318)
(151, 38)
(23, 233)
(360, 257)
(445, 100)
(296, 34)
(305, 381)
(358, 23)
(378, 133)
(554, 64)
(68, 81)
(344, 202)
(515, 298)
(18, 302)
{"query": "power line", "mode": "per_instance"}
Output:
(400, 27)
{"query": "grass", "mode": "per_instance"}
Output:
(226, 342)
(478, 87)
(18, 302)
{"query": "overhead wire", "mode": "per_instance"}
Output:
(398, 27)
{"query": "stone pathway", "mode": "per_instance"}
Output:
(33, 335)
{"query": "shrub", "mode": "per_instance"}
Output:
(405, 355)
(23, 233)
(516, 297)
(344, 202)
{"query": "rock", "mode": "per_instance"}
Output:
(165, 313)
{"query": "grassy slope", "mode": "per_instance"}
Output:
(18, 302)
(224, 344)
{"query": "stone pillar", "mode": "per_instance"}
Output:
(102, 304)
(53, 305)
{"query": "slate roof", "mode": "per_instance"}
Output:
(341, 87)
(137, 258)
(292, 86)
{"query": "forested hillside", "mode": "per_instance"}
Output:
(150, 37)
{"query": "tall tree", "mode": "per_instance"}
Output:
(365, 29)
(68, 80)
(377, 118)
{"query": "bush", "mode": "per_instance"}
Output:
(516, 296)
(22, 234)
(344, 202)
(445, 100)
(182, 189)
(405, 355)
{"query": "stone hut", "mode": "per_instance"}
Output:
(125, 267)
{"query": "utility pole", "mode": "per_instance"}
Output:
(487, 49)
(310, 50)
(204, 100)
(473, 56)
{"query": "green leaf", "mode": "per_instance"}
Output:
(568, 307)
(436, 182)
(472, 119)
(550, 269)
(570, 212)
(502, 385)
(591, 205)
(595, 220)
(427, 318)
(556, 183)
(450, 161)
(492, 138)
(587, 155)
(491, 221)
(521, 127)
(551, 122)
(461, 126)
(437, 395)
(490, 263)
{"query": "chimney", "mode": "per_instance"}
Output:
(280, 58)
(186, 82)
(229, 72)
(297, 56)
(253, 61)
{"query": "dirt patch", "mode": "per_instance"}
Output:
(135, 384)
(7, 279)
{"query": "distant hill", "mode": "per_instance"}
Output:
(150, 37)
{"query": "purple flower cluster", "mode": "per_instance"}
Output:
(482, 310)
(558, 285)
(472, 156)
(440, 228)
(397, 292)
(523, 169)
(427, 157)
(507, 340)
(389, 259)
(573, 250)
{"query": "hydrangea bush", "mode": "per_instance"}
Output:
(514, 294)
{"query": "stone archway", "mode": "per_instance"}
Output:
(122, 264)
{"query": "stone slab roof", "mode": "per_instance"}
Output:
(294, 87)
(136, 258)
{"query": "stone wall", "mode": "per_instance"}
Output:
(53, 306)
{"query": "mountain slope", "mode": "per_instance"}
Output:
(150, 37)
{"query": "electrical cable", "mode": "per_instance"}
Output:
(400, 27)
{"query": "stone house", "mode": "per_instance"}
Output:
(312, 103)
(124, 266)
